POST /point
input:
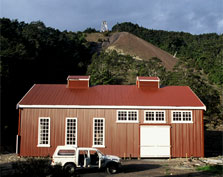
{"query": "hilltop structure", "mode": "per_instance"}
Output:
(104, 26)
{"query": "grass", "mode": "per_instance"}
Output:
(215, 169)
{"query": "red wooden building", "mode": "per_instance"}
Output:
(141, 120)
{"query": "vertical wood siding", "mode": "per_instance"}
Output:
(121, 139)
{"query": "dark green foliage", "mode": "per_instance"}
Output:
(206, 49)
(215, 169)
(113, 68)
(31, 54)
(90, 30)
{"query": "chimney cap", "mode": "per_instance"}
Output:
(143, 78)
(81, 78)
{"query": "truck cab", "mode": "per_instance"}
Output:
(72, 157)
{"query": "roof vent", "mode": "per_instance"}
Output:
(148, 82)
(78, 82)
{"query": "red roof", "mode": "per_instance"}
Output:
(111, 95)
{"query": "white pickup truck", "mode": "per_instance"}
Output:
(72, 157)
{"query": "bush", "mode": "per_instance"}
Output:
(216, 169)
(38, 167)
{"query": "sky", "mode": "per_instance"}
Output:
(193, 16)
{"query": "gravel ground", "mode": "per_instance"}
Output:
(133, 168)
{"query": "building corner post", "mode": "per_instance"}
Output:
(18, 136)
(202, 134)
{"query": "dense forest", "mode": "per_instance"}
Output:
(204, 52)
(33, 53)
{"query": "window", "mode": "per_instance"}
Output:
(66, 152)
(182, 116)
(98, 132)
(154, 117)
(127, 116)
(71, 131)
(44, 132)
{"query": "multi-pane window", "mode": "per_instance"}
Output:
(132, 115)
(181, 116)
(122, 115)
(71, 131)
(44, 132)
(155, 116)
(127, 116)
(98, 132)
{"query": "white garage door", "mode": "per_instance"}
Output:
(155, 141)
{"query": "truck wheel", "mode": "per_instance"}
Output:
(70, 168)
(112, 168)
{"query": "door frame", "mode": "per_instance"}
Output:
(150, 124)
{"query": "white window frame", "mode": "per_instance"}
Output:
(127, 121)
(155, 121)
(103, 145)
(174, 121)
(43, 145)
(75, 145)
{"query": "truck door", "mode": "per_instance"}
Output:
(101, 157)
(83, 158)
(94, 158)
(87, 159)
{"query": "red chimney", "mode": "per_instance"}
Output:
(79, 82)
(147, 82)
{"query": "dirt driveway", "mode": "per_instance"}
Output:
(130, 168)
(153, 167)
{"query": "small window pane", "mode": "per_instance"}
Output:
(122, 115)
(71, 132)
(132, 115)
(177, 116)
(159, 116)
(98, 132)
(44, 124)
(182, 116)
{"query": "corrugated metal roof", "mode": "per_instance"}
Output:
(111, 95)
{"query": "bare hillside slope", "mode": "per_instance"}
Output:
(139, 48)
(129, 44)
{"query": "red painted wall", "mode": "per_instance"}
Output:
(147, 84)
(121, 139)
(78, 84)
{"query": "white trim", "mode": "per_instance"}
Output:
(127, 121)
(152, 80)
(154, 111)
(148, 80)
(74, 145)
(99, 146)
(172, 121)
(79, 79)
(17, 144)
(17, 105)
(112, 107)
(43, 145)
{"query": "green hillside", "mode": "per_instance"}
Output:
(33, 53)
